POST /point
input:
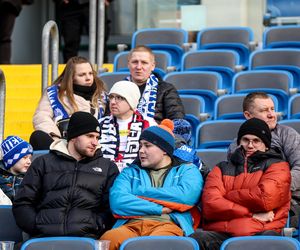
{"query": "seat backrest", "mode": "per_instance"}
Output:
(242, 35)
(217, 134)
(287, 36)
(159, 36)
(8, 228)
(193, 105)
(260, 243)
(229, 107)
(283, 8)
(38, 153)
(110, 78)
(160, 243)
(65, 243)
(210, 58)
(294, 107)
(293, 123)
(212, 156)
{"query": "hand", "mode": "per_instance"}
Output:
(265, 217)
(166, 210)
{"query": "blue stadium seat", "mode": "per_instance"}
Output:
(260, 243)
(110, 78)
(171, 40)
(224, 62)
(294, 107)
(293, 123)
(239, 39)
(212, 156)
(160, 243)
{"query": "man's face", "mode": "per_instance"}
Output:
(86, 145)
(83, 74)
(140, 65)
(251, 144)
(150, 155)
(119, 107)
(263, 109)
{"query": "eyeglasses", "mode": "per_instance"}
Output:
(256, 142)
(116, 97)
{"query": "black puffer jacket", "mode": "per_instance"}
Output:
(168, 103)
(60, 196)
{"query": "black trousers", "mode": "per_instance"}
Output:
(7, 22)
(209, 240)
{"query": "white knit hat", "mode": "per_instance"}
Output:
(129, 90)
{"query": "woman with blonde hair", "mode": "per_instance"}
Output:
(77, 89)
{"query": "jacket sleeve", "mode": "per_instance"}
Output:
(104, 217)
(28, 196)
(172, 105)
(125, 204)
(180, 197)
(215, 205)
(43, 118)
(272, 191)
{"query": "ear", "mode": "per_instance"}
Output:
(247, 115)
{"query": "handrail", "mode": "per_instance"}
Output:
(96, 32)
(2, 103)
(50, 28)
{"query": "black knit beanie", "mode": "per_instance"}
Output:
(82, 123)
(256, 127)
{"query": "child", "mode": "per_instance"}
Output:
(16, 155)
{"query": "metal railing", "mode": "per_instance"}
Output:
(96, 32)
(50, 30)
(2, 103)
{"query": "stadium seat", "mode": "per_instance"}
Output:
(171, 40)
(162, 62)
(282, 12)
(278, 59)
(160, 243)
(294, 107)
(217, 133)
(205, 84)
(65, 243)
(110, 78)
(260, 243)
(282, 37)
(9, 231)
(224, 62)
(239, 39)
(294, 123)
(212, 156)
(37, 153)
(277, 83)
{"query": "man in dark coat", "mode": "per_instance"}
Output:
(159, 99)
(66, 192)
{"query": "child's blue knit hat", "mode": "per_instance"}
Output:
(183, 129)
(13, 149)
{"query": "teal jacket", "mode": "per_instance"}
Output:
(133, 196)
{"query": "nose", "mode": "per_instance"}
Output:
(95, 141)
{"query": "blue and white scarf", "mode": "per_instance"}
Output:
(147, 103)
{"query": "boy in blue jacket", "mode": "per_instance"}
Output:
(155, 195)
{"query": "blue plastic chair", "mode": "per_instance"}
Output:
(212, 156)
(204, 84)
(65, 243)
(294, 107)
(287, 36)
(224, 62)
(160, 243)
(111, 78)
(260, 243)
(239, 39)
(171, 40)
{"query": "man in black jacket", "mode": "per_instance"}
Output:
(66, 192)
(159, 99)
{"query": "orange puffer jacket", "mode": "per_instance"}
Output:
(237, 189)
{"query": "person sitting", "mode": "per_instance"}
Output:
(120, 132)
(77, 89)
(16, 159)
(66, 191)
(155, 195)
(159, 99)
(247, 195)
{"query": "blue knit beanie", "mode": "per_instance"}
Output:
(183, 129)
(161, 136)
(13, 149)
